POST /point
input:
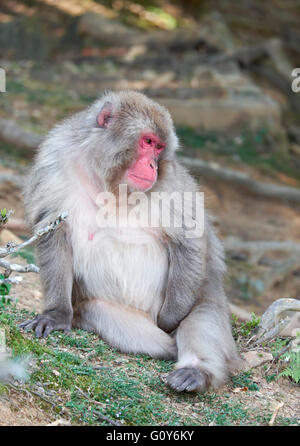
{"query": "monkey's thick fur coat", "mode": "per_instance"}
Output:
(150, 291)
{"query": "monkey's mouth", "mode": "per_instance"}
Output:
(141, 182)
(141, 178)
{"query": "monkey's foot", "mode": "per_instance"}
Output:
(189, 379)
(44, 324)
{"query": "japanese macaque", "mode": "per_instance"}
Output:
(143, 289)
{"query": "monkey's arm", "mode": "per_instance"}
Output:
(186, 272)
(206, 349)
(54, 258)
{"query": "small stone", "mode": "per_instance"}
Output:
(255, 358)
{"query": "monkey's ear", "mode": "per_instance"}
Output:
(105, 115)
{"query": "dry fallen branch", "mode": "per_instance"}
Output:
(12, 248)
(14, 134)
(266, 190)
(31, 268)
(256, 249)
(272, 322)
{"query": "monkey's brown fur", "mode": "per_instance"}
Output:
(161, 296)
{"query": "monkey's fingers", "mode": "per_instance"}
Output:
(189, 379)
(29, 325)
(44, 328)
(40, 324)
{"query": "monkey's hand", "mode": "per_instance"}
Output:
(49, 321)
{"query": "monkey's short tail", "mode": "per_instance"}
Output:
(127, 329)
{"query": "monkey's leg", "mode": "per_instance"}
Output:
(55, 261)
(127, 329)
(206, 349)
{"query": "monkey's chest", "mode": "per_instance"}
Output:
(127, 266)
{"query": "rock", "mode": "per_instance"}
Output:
(226, 76)
(292, 327)
(255, 358)
(108, 31)
(7, 236)
(214, 30)
(222, 113)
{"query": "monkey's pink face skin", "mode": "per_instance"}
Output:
(142, 174)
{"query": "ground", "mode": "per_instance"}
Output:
(77, 379)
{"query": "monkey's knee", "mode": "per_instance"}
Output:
(188, 379)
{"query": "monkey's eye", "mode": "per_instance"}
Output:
(159, 146)
(148, 140)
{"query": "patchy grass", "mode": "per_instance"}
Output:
(77, 376)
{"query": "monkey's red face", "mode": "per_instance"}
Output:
(142, 174)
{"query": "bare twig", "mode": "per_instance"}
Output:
(11, 280)
(272, 420)
(105, 418)
(33, 392)
(11, 248)
(31, 268)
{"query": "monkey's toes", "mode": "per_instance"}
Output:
(43, 326)
(189, 379)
